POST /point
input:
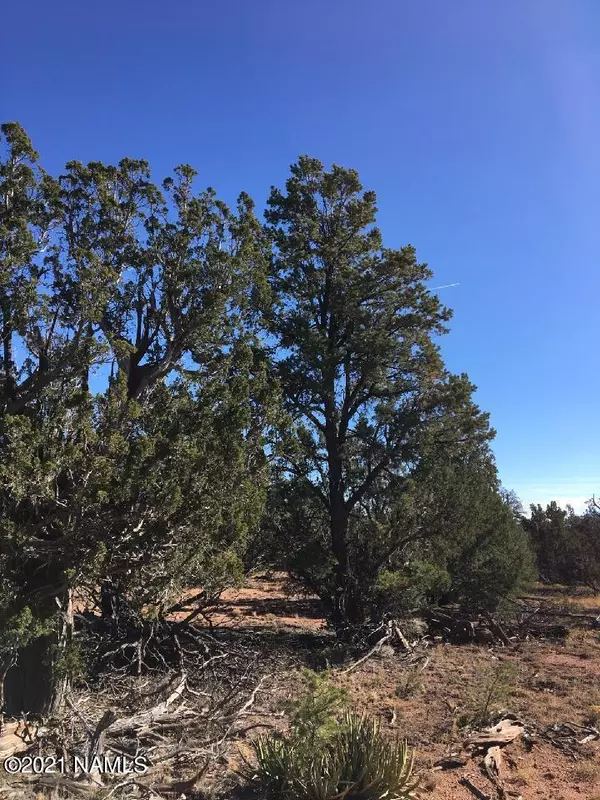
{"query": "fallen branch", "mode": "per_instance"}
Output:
(371, 652)
(246, 706)
(400, 636)
(492, 766)
(556, 613)
(242, 710)
(449, 762)
(146, 718)
(474, 790)
(97, 741)
(58, 782)
(184, 604)
(162, 707)
(78, 714)
(496, 628)
(424, 665)
(564, 736)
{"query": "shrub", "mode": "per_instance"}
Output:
(416, 584)
(326, 759)
(312, 714)
(494, 687)
(356, 763)
(496, 564)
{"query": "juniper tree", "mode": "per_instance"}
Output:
(133, 417)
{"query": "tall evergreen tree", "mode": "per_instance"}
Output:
(360, 371)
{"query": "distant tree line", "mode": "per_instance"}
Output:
(567, 545)
(187, 392)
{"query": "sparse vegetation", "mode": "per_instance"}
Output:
(354, 761)
(490, 694)
(411, 684)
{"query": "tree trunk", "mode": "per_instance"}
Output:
(28, 686)
(37, 682)
(348, 608)
(7, 355)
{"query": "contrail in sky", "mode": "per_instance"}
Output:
(445, 286)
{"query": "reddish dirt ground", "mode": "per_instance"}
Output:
(263, 603)
(430, 699)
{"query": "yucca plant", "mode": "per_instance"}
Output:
(356, 763)
(278, 761)
(368, 764)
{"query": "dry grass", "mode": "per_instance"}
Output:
(587, 772)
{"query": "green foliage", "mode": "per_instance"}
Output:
(448, 534)
(325, 757)
(549, 533)
(414, 585)
(18, 629)
(386, 464)
(492, 691)
(72, 661)
(585, 548)
(313, 714)
(170, 368)
(155, 480)
(496, 564)
(567, 545)
(355, 762)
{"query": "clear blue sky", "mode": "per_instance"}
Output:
(477, 123)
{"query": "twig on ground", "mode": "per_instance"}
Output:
(78, 714)
(371, 652)
(474, 790)
(242, 710)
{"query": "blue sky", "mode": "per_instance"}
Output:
(476, 122)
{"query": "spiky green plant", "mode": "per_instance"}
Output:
(356, 763)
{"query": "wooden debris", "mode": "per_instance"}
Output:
(502, 733)
(97, 741)
(400, 636)
(499, 631)
(492, 766)
(464, 781)
(549, 611)
(371, 652)
(250, 701)
(565, 736)
(493, 763)
(97, 744)
(146, 718)
(449, 762)
(12, 740)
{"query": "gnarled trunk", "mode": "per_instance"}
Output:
(36, 681)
